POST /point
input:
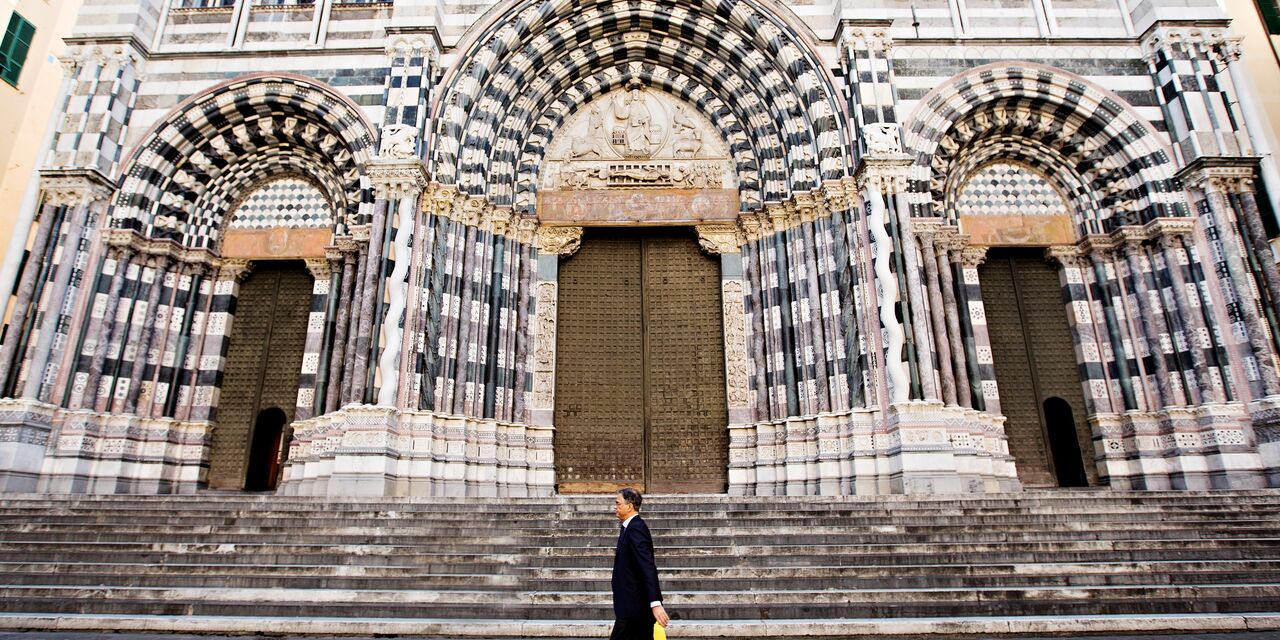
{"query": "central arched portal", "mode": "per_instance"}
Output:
(640, 394)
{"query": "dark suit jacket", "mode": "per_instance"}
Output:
(635, 576)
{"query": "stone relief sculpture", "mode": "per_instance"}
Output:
(636, 137)
(399, 141)
(882, 138)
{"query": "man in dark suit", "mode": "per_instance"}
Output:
(637, 600)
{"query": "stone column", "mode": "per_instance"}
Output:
(552, 243)
(147, 333)
(880, 174)
(1257, 239)
(982, 373)
(102, 328)
(400, 182)
(217, 337)
(947, 248)
(337, 359)
(926, 229)
(360, 235)
(1097, 394)
(1153, 327)
(1171, 237)
(365, 329)
(1214, 179)
(321, 272)
(1098, 251)
(23, 307)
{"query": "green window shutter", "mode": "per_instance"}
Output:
(13, 50)
(1270, 10)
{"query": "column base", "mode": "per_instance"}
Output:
(1199, 448)
(56, 450)
(368, 450)
(914, 447)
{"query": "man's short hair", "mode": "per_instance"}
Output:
(632, 496)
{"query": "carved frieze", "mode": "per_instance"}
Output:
(558, 240)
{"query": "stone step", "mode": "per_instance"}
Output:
(708, 605)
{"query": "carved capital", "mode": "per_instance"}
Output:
(972, 256)
(1098, 247)
(397, 178)
(1065, 255)
(360, 233)
(718, 239)
(887, 174)
(73, 188)
(1165, 230)
(926, 229)
(563, 241)
(234, 269)
(319, 267)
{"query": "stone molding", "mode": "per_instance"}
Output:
(1220, 174)
(75, 187)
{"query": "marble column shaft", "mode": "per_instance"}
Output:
(946, 274)
(1192, 316)
(365, 328)
(147, 332)
(353, 325)
(1152, 326)
(915, 299)
(338, 343)
(22, 307)
(103, 329)
(75, 220)
(1258, 241)
(938, 318)
(1259, 341)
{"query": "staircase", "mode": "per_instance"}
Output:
(1033, 562)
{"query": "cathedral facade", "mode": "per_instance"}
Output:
(441, 247)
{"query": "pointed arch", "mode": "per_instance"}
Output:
(207, 152)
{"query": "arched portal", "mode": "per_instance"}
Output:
(620, 116)
(264, 361)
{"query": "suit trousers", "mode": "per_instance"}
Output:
(633, 629)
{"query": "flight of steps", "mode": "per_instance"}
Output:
(1016, 563)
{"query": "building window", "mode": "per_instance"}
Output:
(1270, 10)
(13, 50)
(205, 4)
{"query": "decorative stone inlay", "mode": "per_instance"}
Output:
(285, 203)
(562, 241)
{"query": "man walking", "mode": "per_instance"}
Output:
(637, 600)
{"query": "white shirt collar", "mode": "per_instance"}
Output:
(628, 520)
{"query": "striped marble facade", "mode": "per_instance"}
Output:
(397, 147)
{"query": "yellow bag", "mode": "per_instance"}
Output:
(659, 632)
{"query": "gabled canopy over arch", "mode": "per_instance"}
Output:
(209, 151)
(1112, 167)
(750, 71)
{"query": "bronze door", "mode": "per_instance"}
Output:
(1035, 365)
(640, 397)
(264, 360)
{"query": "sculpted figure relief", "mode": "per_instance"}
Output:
(636, 137)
